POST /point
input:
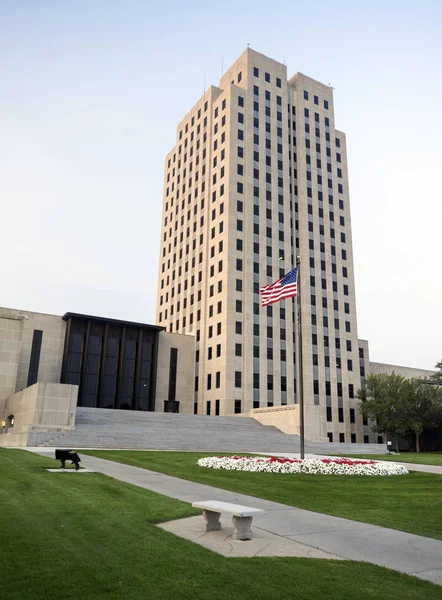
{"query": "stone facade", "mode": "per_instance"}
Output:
(28, 410)
(37, 410)
(259, 174)
(11, 333)
(185, 346)
(16, 334)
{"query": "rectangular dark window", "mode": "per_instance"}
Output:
(173, 365)
(237, 406)
(238, 379)
(35, 357)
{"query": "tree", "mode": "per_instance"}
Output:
(432, 434)
(398, 406)
(381, 400)
(437, 376)
(420, 396)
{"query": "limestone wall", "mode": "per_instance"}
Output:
(185, 371)
(11, 332)
(286, 418)
(16, 334)
(42, 407)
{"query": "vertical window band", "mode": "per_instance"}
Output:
(173, 364)
(35, 357)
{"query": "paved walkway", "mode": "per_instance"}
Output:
(352, 540)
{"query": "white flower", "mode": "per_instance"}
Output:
(318, 466)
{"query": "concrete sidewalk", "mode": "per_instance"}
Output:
(404, 552)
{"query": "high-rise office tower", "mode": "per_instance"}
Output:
(258, 176)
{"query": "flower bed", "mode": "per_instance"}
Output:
(316, 466)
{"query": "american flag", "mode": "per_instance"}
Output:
(286, 287)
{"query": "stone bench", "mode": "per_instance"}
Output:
(241, 517)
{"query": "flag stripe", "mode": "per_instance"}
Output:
(275, 297)
(286, 287)
(280, 292)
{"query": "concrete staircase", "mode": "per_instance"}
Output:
(123, 429)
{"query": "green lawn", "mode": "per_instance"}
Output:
(421, 458)
(410, 503)
(90, 537)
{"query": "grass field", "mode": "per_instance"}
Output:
(410, 503)
(90, 537)
(421, 458)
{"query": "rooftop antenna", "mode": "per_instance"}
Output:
(283, 60)
(248, 44)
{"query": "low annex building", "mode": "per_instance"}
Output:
(51, 364)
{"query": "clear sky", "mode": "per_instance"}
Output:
(90, 95)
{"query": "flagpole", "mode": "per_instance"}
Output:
(299, 360)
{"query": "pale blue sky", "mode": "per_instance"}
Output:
(90, 95)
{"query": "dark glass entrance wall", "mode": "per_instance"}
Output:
(113, 362)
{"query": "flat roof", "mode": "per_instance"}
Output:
(71, 315)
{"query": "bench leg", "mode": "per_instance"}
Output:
(242, 528)
(212, 520)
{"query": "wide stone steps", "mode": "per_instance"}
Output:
(103, 428)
